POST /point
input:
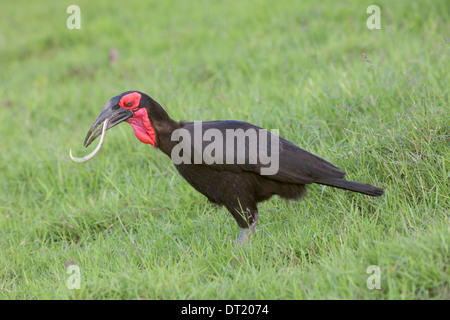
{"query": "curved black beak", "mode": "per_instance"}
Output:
(110, 111)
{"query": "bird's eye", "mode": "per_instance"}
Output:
(130, 100)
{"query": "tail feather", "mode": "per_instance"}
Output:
(352, 186)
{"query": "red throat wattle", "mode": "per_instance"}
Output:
(142, 127)
(140, 122)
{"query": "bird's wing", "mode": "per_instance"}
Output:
(240, 146)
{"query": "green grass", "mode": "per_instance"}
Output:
(296, 66)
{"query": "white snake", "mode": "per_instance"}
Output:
(97, 149)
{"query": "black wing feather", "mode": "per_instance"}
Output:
(295, 165)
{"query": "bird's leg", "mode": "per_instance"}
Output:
(247, 233)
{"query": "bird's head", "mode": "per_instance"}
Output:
(132, 107)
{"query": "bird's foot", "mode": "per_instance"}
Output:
(245, 236)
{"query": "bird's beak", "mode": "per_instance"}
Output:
(110, 111)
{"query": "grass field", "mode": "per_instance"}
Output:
(373, 102)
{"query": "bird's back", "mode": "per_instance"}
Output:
(252, 147)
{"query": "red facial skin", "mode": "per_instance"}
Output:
(140, 122)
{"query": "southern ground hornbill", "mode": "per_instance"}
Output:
(228, 172)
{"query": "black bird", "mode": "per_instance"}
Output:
(227, 161)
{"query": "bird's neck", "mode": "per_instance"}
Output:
(163, 127)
